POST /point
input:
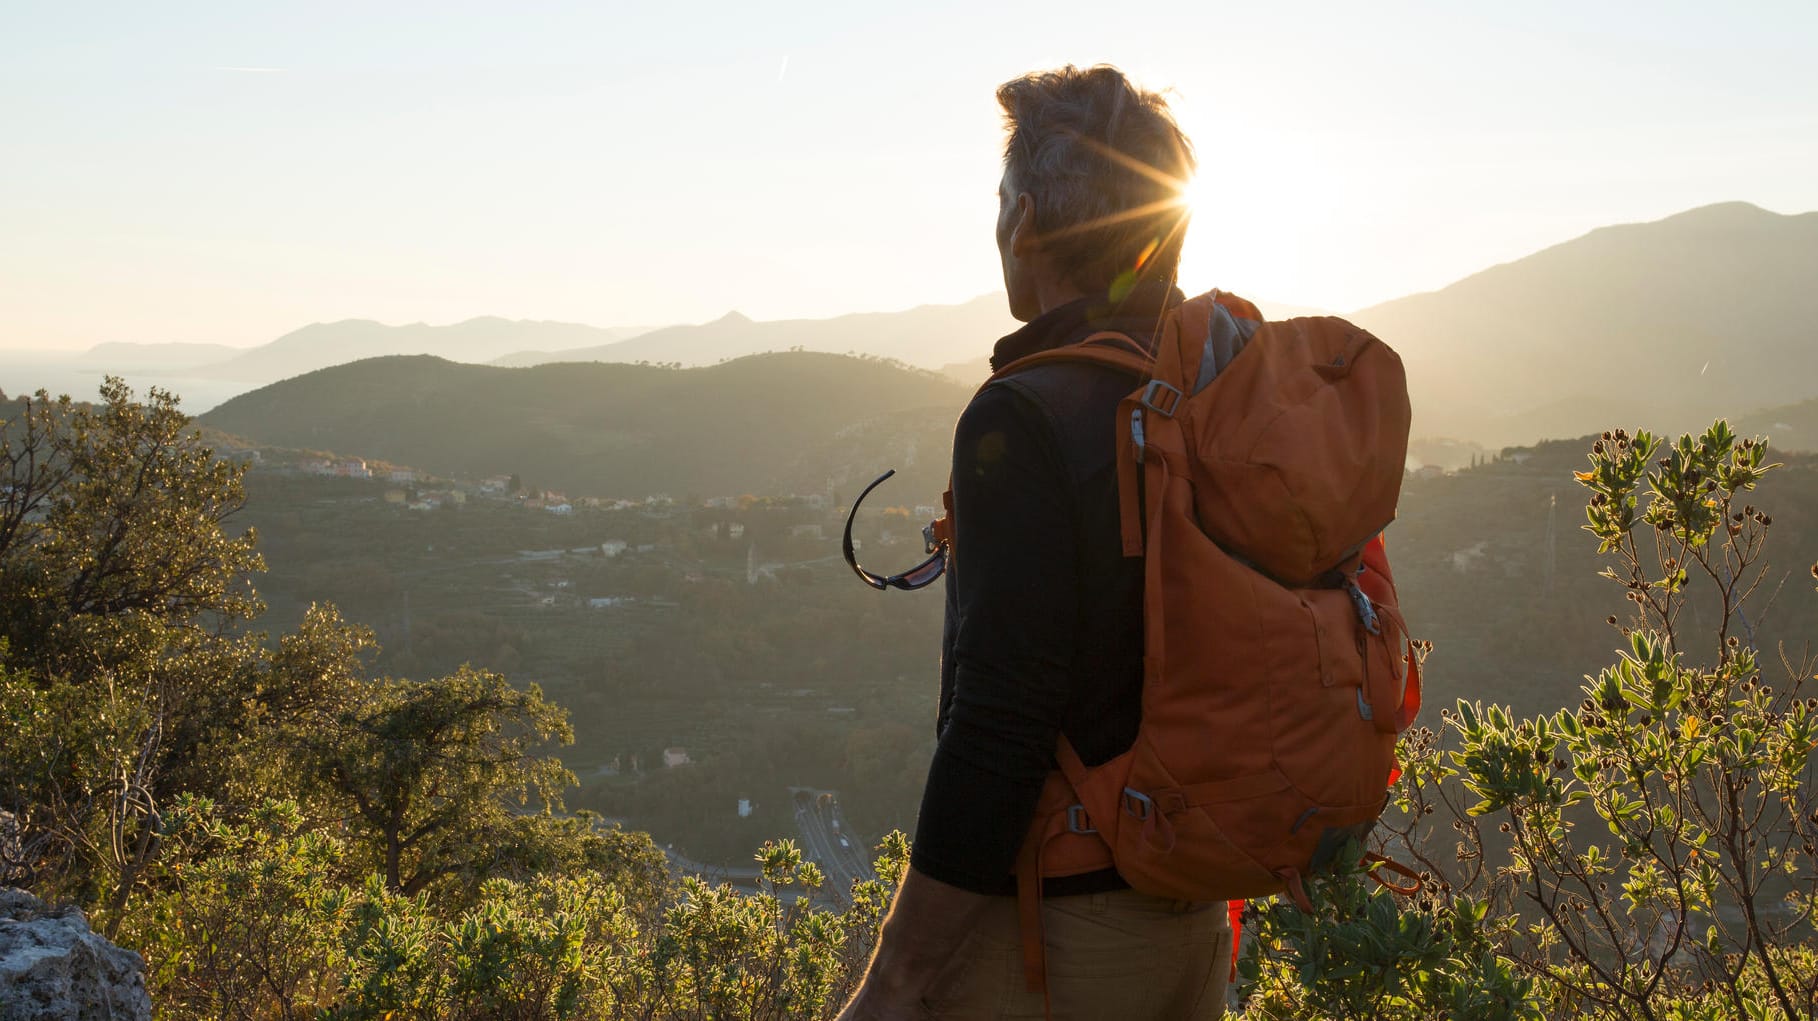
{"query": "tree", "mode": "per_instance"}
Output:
(114, 512)
(120, 585)
(437, 773)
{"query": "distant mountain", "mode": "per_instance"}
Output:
(321, 345)
(1665, 325)
(1788, 427)
(928, 336)
(121, 357)
(764, 424)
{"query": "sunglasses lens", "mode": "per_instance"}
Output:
(923, 573)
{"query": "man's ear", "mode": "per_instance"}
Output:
(1024, 240)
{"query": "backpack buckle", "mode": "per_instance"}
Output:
(1077, 821)
(1366, 611)
(1161, 397)
(1138, 804)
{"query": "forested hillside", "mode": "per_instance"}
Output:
(1495, 567)
(764, 424)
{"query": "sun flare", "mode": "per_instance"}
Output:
(1191, 193)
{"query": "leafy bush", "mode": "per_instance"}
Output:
(260, 924)
(1359, 953)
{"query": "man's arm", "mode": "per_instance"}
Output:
(918, 940)
(1016, 581)
(1016, 593)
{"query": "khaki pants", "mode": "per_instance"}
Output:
(1121, 956)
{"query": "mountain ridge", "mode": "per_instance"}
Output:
(1700, 314)
(323, 344)
(928, 336)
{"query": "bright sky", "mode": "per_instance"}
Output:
(227, 172)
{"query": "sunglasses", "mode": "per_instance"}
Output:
(916, 577)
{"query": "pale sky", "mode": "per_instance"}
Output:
(228, 172)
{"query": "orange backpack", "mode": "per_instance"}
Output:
(1258, 464)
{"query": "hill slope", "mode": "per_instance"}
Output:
(764, 424)
(1789, 427)
(1671, 323)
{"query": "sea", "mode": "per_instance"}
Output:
(66, 372)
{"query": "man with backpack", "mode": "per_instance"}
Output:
(1118, 753)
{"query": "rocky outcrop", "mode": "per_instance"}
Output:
(53, 968)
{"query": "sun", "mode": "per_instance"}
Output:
(1192, 194)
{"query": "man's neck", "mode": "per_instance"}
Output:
(1052, 294)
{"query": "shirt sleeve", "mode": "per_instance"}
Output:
(1015, 569)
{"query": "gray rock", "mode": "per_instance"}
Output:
(53, 968)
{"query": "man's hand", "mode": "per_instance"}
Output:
(918, 940)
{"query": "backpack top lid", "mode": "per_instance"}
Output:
(1296, 432)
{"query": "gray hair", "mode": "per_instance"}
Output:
(1105, 163)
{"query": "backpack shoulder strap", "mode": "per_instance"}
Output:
(1120, 353)
(1109, 348)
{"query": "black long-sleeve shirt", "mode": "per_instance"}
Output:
(1043, 628)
